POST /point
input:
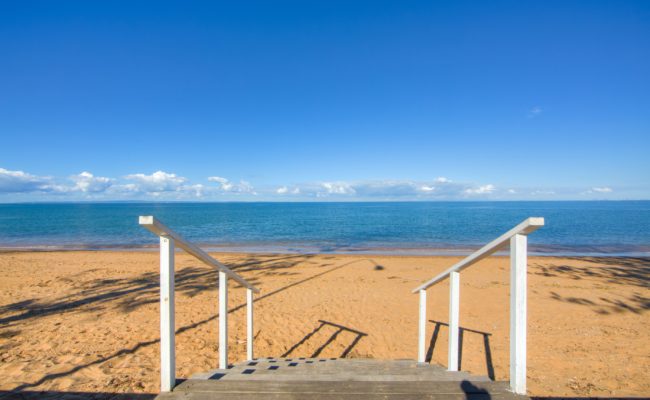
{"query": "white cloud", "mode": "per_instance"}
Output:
(226, 186)
(387, 188)
(88, 183)
(128, 187)
(287, 190)
(156, 183)
(23, 182)
(338, 188)
(534, 112)
(603, 189)
(431, 187)
(217, 179)
(484, 189)
(541, 192)
(197, 189)
(158, 178)
(244, 187)
(439, 188)
(21, 185)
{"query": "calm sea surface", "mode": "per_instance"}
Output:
(616, 228)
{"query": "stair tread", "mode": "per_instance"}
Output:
(358, 379)
(335, 369)
(318, 386)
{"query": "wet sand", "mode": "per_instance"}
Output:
(88, 321)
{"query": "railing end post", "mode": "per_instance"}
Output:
(518, 312)
(422, 327)
(223, 320)
(454, 317)
(167, 320)
(145, 220)
(249, 324)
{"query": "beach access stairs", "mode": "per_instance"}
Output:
(327, 378)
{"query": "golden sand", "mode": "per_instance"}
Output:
(88, 321)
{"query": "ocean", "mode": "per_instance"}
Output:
(427, 228)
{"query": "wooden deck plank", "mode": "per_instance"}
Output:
(337, 379)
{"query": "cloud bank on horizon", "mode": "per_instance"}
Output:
(165, 186)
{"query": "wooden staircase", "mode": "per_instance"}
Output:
(323, 378)
(326, 378)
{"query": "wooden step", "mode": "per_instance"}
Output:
(201, 389)
(320, 369)
(337, 379)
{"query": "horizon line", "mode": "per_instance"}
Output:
(317, 201)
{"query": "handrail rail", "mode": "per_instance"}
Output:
(527, 226)
(158, 228)
(168, 242)
(517, 237)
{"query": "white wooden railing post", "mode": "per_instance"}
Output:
(422, 327)
(517, 238)
(168, 240)
(454, 313)
(223, 320)
(167, 324)
(518, 267)
(249, 324)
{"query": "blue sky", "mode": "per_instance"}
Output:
(324, 100)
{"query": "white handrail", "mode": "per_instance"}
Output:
(157, 227)
(518, 239)
(527, 226)
(168, 240)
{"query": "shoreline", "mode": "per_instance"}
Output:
(533, 251)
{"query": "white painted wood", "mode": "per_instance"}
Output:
(422, 328)
(223, 320)
(518, 267)
(454, 314)
(157, 227)
(527, 226)
(167, 323)
(249, 324)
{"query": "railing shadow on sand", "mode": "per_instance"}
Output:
(462, 330)
(338, 330)
(132, 293)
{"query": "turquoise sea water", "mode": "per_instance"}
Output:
(621, 228)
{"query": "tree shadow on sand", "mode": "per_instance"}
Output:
(149, 288)
(628, 271)
(634, 271)
(128, 294)
(636, 303)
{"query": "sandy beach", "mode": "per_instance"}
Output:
(88, 321)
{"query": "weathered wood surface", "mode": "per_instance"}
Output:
(323, 378)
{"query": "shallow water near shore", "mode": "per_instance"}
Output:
(620, 228)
